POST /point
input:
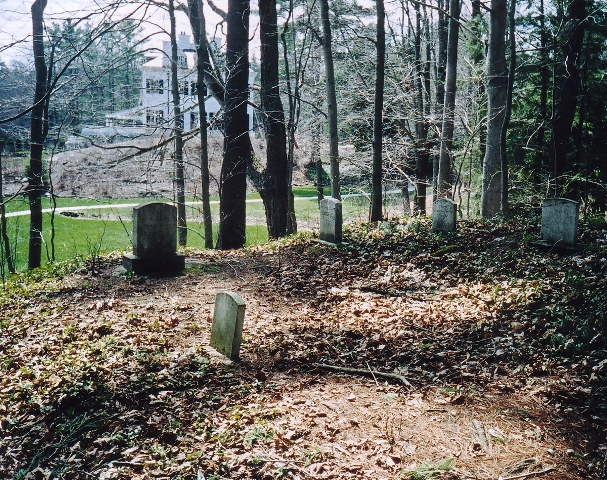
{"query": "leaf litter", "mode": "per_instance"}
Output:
(502, 348)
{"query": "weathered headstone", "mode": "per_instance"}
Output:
(443, 215)
(154, 240)
(228, 318)
(560, 218)
(330, 220)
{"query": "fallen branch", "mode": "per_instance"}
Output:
(480, 431)
(529, 474)
(366, 373)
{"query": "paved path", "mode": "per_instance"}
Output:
(22, 213)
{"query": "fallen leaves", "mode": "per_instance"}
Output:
(109, 375)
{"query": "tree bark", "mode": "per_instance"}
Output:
(197, 21)
(378, 122)
(422, 89)
(274, 191)
(539, 157)
(497, 87)
(3, 230)
(445, 159)
(237, 151)
(509, 91)
(565, 111)
(441, 70)
(35, 175)
(331, 99)
(182, 230)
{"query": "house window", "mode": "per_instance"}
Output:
(183, 87)
(194, 89)
(193, 120)
(154, 85)
(154, 117)
(214, 121)
(182, 61)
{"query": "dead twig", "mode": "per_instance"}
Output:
(365, 373)
(480, 431)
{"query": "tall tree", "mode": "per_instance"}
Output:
(497, 88)
(446, 159)
(39, 129)
(203, 65)
(3, 230)
(564, 114)
(274, 191)
(378, 121)
(440, 77)
(237, 144)
(182, 231)
(422, 111)
(331, 98)
(508, 115)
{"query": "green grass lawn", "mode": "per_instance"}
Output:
(95, 231)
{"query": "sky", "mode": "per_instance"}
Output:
(16, 28)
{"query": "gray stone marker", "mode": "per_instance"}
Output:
(560, 218)
(228, 318)
(443, 215)
(330, 220)
(154, 240)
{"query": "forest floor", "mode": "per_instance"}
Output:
(496, 351)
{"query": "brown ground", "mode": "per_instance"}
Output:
(111, 376)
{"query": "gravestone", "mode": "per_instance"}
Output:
(228, 318)
(560, 218)
(330, 220)
(154, 240)
(443, 215)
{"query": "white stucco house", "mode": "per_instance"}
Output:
(156, 94)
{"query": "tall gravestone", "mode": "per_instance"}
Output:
(331, 220)
(560, 218)
(443, 215)
(228, 319)
(154, 240)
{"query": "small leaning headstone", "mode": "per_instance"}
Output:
(154, 240)
(560, 218)
(330, 220)
(228, 319)
(443, 215)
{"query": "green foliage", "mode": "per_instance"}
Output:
(426, 472)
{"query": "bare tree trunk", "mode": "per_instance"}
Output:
(35, 175)
(378, 122)
(197, 20)
(316, 160)
(441, 70)
(445, 160)
(422, 89)
(565, 111)
(177, 133)
(538, 163)
(331, 99)
(509, 91)
(497, 88)
(3, 229)
(294, 109)
(274, 192)
(237, 144)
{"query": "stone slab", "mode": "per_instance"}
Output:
(331, 220)
(154, 230)
(444, 215)
(228, 319)
(560, 217)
